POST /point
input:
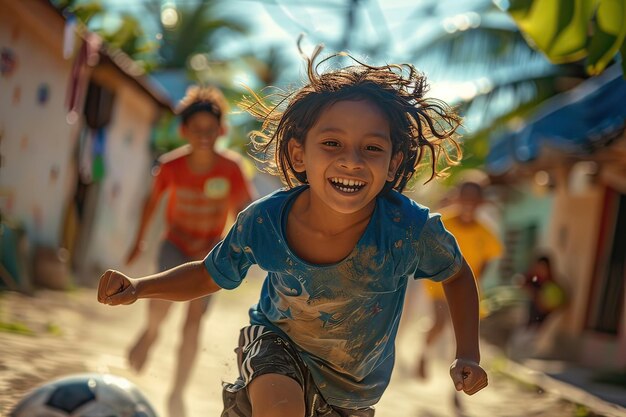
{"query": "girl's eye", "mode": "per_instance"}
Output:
(374, 148)
(332, 143)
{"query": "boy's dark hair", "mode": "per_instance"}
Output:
(470, 186)
(207, 99)
(417, 125)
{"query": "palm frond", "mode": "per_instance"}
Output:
(196, 32)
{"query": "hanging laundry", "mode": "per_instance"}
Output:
(99, 147)
(87, 56)
(69, 35)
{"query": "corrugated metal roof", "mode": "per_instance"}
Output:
(578, 122)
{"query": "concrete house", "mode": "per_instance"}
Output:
(75, 129)
(568, 163)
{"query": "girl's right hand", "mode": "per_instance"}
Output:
(116, 288)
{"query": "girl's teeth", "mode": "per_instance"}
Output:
(346, 185)
(346, 182)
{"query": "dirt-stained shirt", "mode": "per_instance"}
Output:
(342, 318)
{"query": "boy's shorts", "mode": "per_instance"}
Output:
(171, 256)
(261, 351)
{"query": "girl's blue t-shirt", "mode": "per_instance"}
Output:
(342, 318)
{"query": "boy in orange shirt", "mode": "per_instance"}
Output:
(203, 186)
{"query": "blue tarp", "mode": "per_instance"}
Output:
(576, 122)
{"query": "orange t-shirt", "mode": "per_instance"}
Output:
(199, 203)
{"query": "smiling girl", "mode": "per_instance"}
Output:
(338, 243)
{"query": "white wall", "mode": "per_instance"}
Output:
(574, 237)
(128, 162)
(37, 142)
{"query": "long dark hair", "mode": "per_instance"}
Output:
(420, 128)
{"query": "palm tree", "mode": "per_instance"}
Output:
(189, 36)
(189, 30)
(128, 36)
(481, 62)
(473, 53)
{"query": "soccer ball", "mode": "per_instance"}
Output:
(85, 395)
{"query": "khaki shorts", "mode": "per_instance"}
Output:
(261, 351)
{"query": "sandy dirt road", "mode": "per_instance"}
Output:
(72, 333)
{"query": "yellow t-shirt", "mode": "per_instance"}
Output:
(478, 244)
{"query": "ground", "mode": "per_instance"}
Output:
(53, 334)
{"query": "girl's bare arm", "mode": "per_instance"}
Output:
(462, 297)
(182, 283)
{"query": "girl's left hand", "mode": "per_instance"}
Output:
(468, 376)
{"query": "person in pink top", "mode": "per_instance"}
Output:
(203, 186)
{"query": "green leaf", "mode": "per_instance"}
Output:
(608, 34)
(564, 19)
(86, 11)
(558, 28)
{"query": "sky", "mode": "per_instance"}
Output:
(383, 31)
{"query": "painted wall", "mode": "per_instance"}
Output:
(597, 349)
(128, 161)
(35, 175)
(573, 236)
(38, 170)
(615, 177)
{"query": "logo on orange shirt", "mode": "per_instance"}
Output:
(216, 188)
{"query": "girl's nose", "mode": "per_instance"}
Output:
(351, 159)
